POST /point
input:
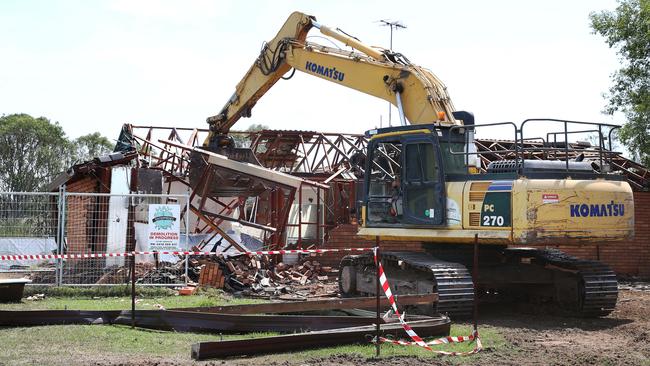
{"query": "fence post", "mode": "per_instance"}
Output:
(62, 232)
(378, 296)
(187, 237)
(133, 289)
(58, 236)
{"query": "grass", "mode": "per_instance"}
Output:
(97, 291)
(87, 344)
(81, 344)
(489, 337)
(106, 298)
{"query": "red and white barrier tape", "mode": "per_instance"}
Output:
(417, 340)
(383, 281)
(443, 340)
(129, 254)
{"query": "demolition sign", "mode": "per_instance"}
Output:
(164, 227)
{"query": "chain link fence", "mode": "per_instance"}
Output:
(83, 223)
(29, 224)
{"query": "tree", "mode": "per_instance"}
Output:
(32, 152)
(90, 146)
(242, 140)
(627, 29)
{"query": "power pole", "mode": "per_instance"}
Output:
(394, 25)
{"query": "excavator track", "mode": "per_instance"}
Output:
(453, 282)
(598, 286)
(578, 287)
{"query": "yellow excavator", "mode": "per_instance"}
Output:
(423, 182)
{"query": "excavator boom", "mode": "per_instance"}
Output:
(416, 91)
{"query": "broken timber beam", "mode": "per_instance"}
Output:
(243, 222)
(217, 229)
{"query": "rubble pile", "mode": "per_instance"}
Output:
(92, 271)
(254, 276)
(163, 273)
(260, 276)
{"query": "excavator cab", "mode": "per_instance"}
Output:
(405, 186)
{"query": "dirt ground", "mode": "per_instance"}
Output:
(622, 338)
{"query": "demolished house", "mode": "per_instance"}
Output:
(229, 204)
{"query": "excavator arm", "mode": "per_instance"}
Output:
(262, 75)
(419, 95)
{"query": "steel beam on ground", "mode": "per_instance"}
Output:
(438, 326)
(189, 321)
(24, 318)
(312, 305)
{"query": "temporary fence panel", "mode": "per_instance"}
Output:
(42, 223)
(117, 223)
(29, 224)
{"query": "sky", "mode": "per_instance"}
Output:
(94, 65)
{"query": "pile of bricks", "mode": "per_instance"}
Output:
(211, 275)
(260, 276)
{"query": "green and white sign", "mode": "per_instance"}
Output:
(164, 227)
(496, 208)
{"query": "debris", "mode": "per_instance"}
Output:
(634, 286)
(211, 275)
(262, 277)
(86, 272)
(35, 297)
(187, 291)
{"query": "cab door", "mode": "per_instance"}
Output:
(423, 182)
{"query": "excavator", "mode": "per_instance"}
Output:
(423, 182)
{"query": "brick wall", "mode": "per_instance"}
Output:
(630, 258)
(86, 217)
(345, 236)
(78, 211)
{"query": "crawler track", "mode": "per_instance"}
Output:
(598, 287)
(453, 282)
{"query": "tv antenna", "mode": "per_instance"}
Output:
(394, 25)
